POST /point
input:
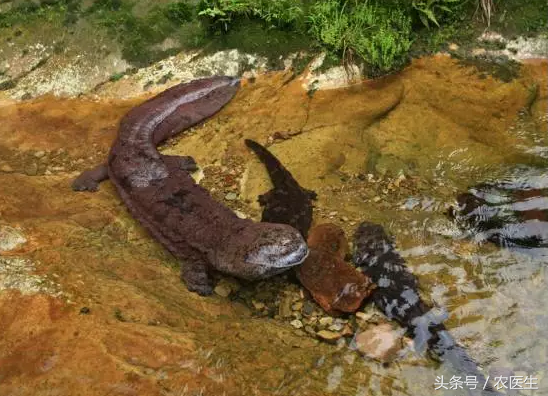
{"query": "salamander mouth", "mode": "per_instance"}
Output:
(285, 254)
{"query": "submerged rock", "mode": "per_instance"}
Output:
(334, 284)
(381, 342)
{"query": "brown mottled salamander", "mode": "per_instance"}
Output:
(398, 298)
(160, 193)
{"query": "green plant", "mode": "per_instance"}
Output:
(432, 10)
(379, 35)
(277, 13)
(179, 12)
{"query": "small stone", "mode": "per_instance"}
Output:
(453, 47)
(326, 321)
(336, 326)
(296, 324)
(223, 289)
(284, 310)
(39, 154)
(258, 305)
(297, 315)
(380, 342)
(479, 52)
(376, 199)
(398, 181)
(347, 331)
(240, 214)
(344, 219)
(333, 213)
(31, 169)
(297, 306)
(329, 336)
(231, 196)
(308, 308)
(363, 316)
(6, 168)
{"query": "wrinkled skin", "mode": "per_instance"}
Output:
(288, 202)
(398, 297)
(160, 193)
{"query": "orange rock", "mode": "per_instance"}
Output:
(328, 237)
(334, 284)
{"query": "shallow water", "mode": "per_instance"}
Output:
(443, 126)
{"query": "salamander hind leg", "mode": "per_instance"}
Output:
(89, 180)
(186, 162)
(194, 273)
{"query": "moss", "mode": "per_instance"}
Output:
(253, 36)
(517, 17)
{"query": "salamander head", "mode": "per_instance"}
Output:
(261, 250)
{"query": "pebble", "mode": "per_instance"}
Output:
(223, 289)
(39, 154)
(284, 309)
(308, 308)
(380, 342)
(297, 324)
(336, 326)
(326, 321)
(376, 199)
(258, 305)
(329, 336)
(297, 306)
(240, 215)
(6, 168)
(231, 196)
(31, 169)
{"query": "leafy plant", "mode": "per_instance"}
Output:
(380, 36)
(432, 10)
(278, 13)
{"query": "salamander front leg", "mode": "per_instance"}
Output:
(89, 180)
(185, 162)
(194, 273)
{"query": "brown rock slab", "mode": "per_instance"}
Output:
(334, 284)
(330, 238)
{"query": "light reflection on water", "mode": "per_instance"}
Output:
(496, 296)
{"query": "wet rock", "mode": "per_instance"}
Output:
(31, 169)
(334, 284)
(308, 308)
(10, 238)
(329, 336)
(380, 342)
(284, 309)
(326, 321)
(223, 288)
(231, 196)
(329, 237)
(297, 324)
(6, 168)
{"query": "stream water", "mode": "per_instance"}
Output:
(396, 152)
